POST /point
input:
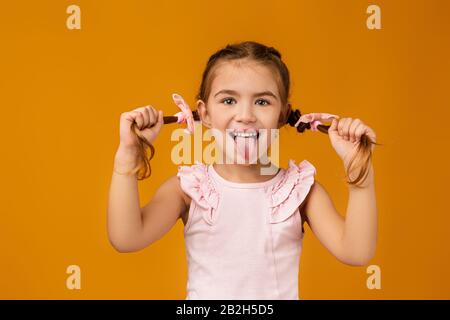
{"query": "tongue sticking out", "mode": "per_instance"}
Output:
(246, 149)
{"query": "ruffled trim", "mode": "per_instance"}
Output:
(288, 194)
(196, 182)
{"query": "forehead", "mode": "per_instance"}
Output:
(244, 76)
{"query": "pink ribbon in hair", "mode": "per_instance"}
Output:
(185, 115)
(314, 119)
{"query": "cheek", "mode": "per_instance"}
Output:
(220, 117)
(215, 114)
(219, 122)
(270, 117)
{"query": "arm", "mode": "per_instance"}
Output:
(351, 240)
(131, 228)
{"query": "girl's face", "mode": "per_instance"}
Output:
(244, 97)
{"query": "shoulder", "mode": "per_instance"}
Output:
(312, 191)
(195, 183)
(197, 170)
(168, 199)
(191, 177)
(317, 201)
(317, 191)
(303, 169)
(171, 190)
(300, 177)
(296, 179)
(173, 183)
(289, 192)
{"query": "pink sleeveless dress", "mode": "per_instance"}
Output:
(244, 240)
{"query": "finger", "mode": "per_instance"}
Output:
(139, 119)
(343, 127)
(146, 117)
(360, 131)
(153, 118)
(347, 128)
(333, 126)
(371, 134)
(129, 116)
(351, 131)
(154, 114)
(160, 122)
(340, 126)
(139, 109)
(134, 114)
(357, 132)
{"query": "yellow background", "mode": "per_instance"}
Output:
(62, 92)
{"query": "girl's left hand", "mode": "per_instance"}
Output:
(345, 134)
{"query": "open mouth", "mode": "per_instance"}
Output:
(254, 135)
(246, 144)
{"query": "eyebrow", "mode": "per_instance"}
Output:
(264, 93)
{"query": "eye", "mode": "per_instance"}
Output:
(264, 100)
(227, 99)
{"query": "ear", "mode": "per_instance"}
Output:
(283, 116)
(203, 113)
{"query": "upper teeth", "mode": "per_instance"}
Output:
(244, 134)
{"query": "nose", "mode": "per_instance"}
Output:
(245, 114)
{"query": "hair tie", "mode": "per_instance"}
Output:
(314, 119)
(185, 115)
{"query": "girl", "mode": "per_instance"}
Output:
(244, 230)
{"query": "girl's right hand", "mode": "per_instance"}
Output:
(149, 122)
